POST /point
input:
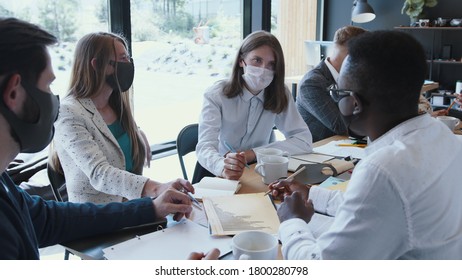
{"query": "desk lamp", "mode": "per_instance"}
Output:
(362, 12)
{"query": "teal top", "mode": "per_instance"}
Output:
(124, 143)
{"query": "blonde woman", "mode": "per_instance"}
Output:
(99, 146)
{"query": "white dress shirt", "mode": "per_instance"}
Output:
(404, 201)
(332, 70)
(244, 124)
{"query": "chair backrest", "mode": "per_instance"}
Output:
(185, 143)
(57, 183)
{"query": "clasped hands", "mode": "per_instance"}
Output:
(295, 200)
(234, 165)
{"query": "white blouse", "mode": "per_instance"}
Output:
(244, 124)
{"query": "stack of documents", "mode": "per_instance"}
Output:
(335, 148)
(229, 215)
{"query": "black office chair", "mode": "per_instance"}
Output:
(185, 143)
(57, 183)
(58, 187)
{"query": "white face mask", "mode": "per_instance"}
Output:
(257, 78)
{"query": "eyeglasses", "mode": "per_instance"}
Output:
(338, 94)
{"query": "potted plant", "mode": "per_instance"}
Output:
(414, 8)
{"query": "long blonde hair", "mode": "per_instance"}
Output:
(87, 81)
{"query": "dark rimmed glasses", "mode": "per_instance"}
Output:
(338, 94)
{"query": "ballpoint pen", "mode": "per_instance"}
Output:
(289, 178)
(232, 150)
(193, 199)
(452, 104)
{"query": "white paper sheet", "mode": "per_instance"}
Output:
(331, 148)
(173, 243)
(215, 186)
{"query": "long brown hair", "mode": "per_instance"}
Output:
(86, 81)
(275, 94)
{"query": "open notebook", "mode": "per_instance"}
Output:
(215, 186)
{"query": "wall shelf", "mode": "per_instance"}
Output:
(433, 40)
(430, 28)
(437, 61)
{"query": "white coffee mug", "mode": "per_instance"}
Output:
(269, 152)
(272, 168)
(254, 245)
(451, 122)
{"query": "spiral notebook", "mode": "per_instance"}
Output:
(175, 242)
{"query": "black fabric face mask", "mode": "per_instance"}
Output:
(123, 76)
(34, 136)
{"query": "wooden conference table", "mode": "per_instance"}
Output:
(92, 248)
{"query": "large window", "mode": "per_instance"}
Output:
(180, 48)
(68, 20)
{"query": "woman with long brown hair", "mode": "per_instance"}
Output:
(100, 147)
(243, 110)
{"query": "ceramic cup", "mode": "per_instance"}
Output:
(451, 122)
(269, 152)
(254, 245)
(272, 168)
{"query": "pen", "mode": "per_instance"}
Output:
(193, 199)
(352, 145)
(231, 149)
(452, 104)
(289, 178)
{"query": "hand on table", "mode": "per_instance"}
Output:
(211, 255)
(234, 165)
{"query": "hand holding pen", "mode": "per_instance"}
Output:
(234, 164)
(172, 201)
(284, 187)
(232, 150)
(195, 202)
